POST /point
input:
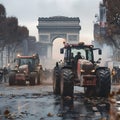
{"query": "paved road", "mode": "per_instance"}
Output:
(39, 103)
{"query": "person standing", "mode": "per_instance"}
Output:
(77, 57)
(5, 74)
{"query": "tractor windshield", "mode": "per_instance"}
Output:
(86, 53)
(24, 61)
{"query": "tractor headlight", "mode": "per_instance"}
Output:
(82, 70)
(93, 71)
(25, 71)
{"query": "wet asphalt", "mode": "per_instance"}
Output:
(39, 103)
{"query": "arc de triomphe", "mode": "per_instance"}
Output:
(51, 28)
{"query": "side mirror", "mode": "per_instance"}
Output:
(100, 52)
(98, 61)
(61, 50)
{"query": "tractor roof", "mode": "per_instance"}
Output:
(81, 44)
(27, 57)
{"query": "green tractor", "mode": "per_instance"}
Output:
(83, 71)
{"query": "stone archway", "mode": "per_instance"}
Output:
(56, 27)
(57, 44)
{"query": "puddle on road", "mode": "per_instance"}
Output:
(51, 107)
(46, 106)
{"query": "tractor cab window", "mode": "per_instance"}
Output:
(86, 53)
(25, 61)
(67, 56)
(36, 62)
(22, 61)
(82, 51)
(89, 55)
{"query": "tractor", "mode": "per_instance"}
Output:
(84, 72)
(27, 68)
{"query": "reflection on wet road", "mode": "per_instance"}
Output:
(39, 103)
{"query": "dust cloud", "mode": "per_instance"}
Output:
(107, 54)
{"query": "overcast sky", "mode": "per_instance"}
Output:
(28, 11)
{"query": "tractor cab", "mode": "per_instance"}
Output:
(31, 61)
(27, 68)
(86, 51)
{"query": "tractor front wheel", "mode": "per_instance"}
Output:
(67, 84)
(103, 83)
(56, 81)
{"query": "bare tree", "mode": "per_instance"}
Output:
(2, 18)
(11, 34)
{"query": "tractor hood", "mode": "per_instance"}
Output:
(85, 65)
(23, 68)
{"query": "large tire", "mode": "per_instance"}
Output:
(103, 83)
(56, 81)
(12, 78)
(67, 84)
(38, 79)
(33, 78)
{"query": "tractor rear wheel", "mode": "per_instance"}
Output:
(103, 83)
(56, 81)
(67, 84)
